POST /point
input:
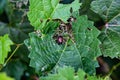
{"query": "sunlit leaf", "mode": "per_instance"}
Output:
(68, 73)
(5, 43)
(3, 76)
(42, 10)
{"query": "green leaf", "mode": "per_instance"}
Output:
(17, 33)
(42, 10)
(43, 51)
(85, 49)
(107, 9)
(50, 27)
(94, 78)
(15, 68)
(2, 5)
(67, 73)
(81, 53)
(86, 43)
(5, 43)
(3, 76)
(81, 74)
(86, 10)
(110, 39)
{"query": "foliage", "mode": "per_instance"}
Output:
(3, 76)
(15, 66)
(41, 11)
(2, 5)
(45, 51)
(5, 43)
(64, 42)
(13, 21)
(63, 75)
(109, 10)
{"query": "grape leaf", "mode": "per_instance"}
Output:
(44, 51)
(5, 43)
(3, 76)
(42, 10)
(68, 73)
(109, 10)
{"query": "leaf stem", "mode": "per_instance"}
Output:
(113, 25)
(18, 45)
(66, 44)
(114, 68)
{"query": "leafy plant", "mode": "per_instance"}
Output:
(5, 43)
(2, 4)
(65, 44)
(109, 10)
(3, 76)
(63, 75)
(45, 51)
(50, 9)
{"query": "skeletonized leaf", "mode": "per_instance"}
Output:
(5, 43)
(42, 10)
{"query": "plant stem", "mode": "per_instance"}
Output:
(66, 44)
(18, 45)
(114, 68)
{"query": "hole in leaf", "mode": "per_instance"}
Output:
(89, 29)
(66, 1)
